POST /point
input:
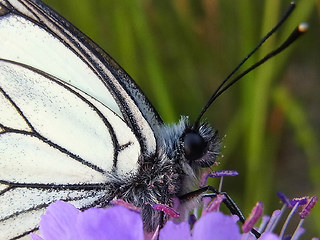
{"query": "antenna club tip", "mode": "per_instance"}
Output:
(292, 3)
(303, 27)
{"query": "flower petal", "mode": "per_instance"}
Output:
(113, 223)
(59, 221)
(269, 236)
(172, 231)
(216, 226)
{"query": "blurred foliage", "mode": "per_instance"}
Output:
(179, 51)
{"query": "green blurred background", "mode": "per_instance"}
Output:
(179, 51)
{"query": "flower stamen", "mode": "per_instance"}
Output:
(306, 210)
(214, 205)
(255, 214)
(167, 210)
(275, 217)
(285, 225)
(121, 202)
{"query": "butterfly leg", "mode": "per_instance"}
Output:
(228, 201)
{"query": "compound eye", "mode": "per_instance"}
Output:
(194, 146)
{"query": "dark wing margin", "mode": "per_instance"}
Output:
(137, 111)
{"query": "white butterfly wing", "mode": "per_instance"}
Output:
(70, 118)
(135, 108)
(58, 117)
(55, 145)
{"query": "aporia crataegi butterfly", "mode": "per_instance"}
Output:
(82, 127)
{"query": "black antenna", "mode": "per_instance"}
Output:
(297, 32)
(222, 87)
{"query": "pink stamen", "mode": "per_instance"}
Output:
(167, 210)
(214, 205)
(306, 210)
(255, 214)
(125, 204)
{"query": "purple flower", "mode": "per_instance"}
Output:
(64, 221)
(123, 221)
(269, 236)
(59, 222)
(172, 231)
(216, 225)
(213, 226)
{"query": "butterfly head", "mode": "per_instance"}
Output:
(200, 145)
(189, 148)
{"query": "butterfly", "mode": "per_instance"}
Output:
(75, 127)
